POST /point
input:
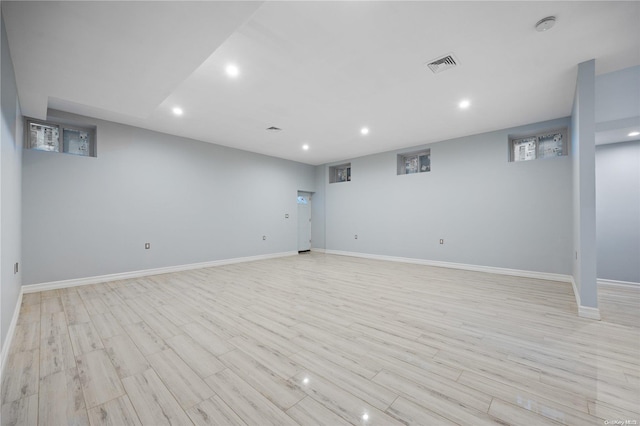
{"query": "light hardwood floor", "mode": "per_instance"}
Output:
(323, 340)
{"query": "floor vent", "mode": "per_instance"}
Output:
(443, 63)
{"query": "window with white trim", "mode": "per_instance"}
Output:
(414, 162)
(547, 144)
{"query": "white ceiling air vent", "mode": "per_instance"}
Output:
(443, 63)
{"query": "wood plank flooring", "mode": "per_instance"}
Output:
(323, 340)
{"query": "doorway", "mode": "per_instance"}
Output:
(304, 221)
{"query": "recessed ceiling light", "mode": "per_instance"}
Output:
(464, 104)
(364, 130)
(305, 147)
(545, 24)
(232, 70)
(632, 134)
(177, 111)
(305, 380)
(365, 417)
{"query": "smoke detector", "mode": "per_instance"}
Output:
(545, 24)
(443, 63)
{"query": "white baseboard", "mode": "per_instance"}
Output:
(576, 293)
(589, 312)
(584, 311)
(467, 267)
(10, 333)
(618, 283)
(53, 285)
(318, 250)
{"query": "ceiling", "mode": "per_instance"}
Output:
(320, 71)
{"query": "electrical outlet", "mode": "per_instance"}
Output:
(286, 216)
(147, 246)
(355, 236)
(264, 237)
(15, 268)
(441, 241)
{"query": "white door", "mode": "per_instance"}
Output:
(304, 221)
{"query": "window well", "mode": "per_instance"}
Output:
(414, 162)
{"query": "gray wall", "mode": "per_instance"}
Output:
(488, 211)
(618, 95)
(617, 106)
(575, 195)
(584, 183)
(193, 201)
(618, 211)
(318, 215)
(10, 190)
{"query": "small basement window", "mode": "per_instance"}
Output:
(341, 173)
(548, 144)
(414, 162)
(55, 137)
